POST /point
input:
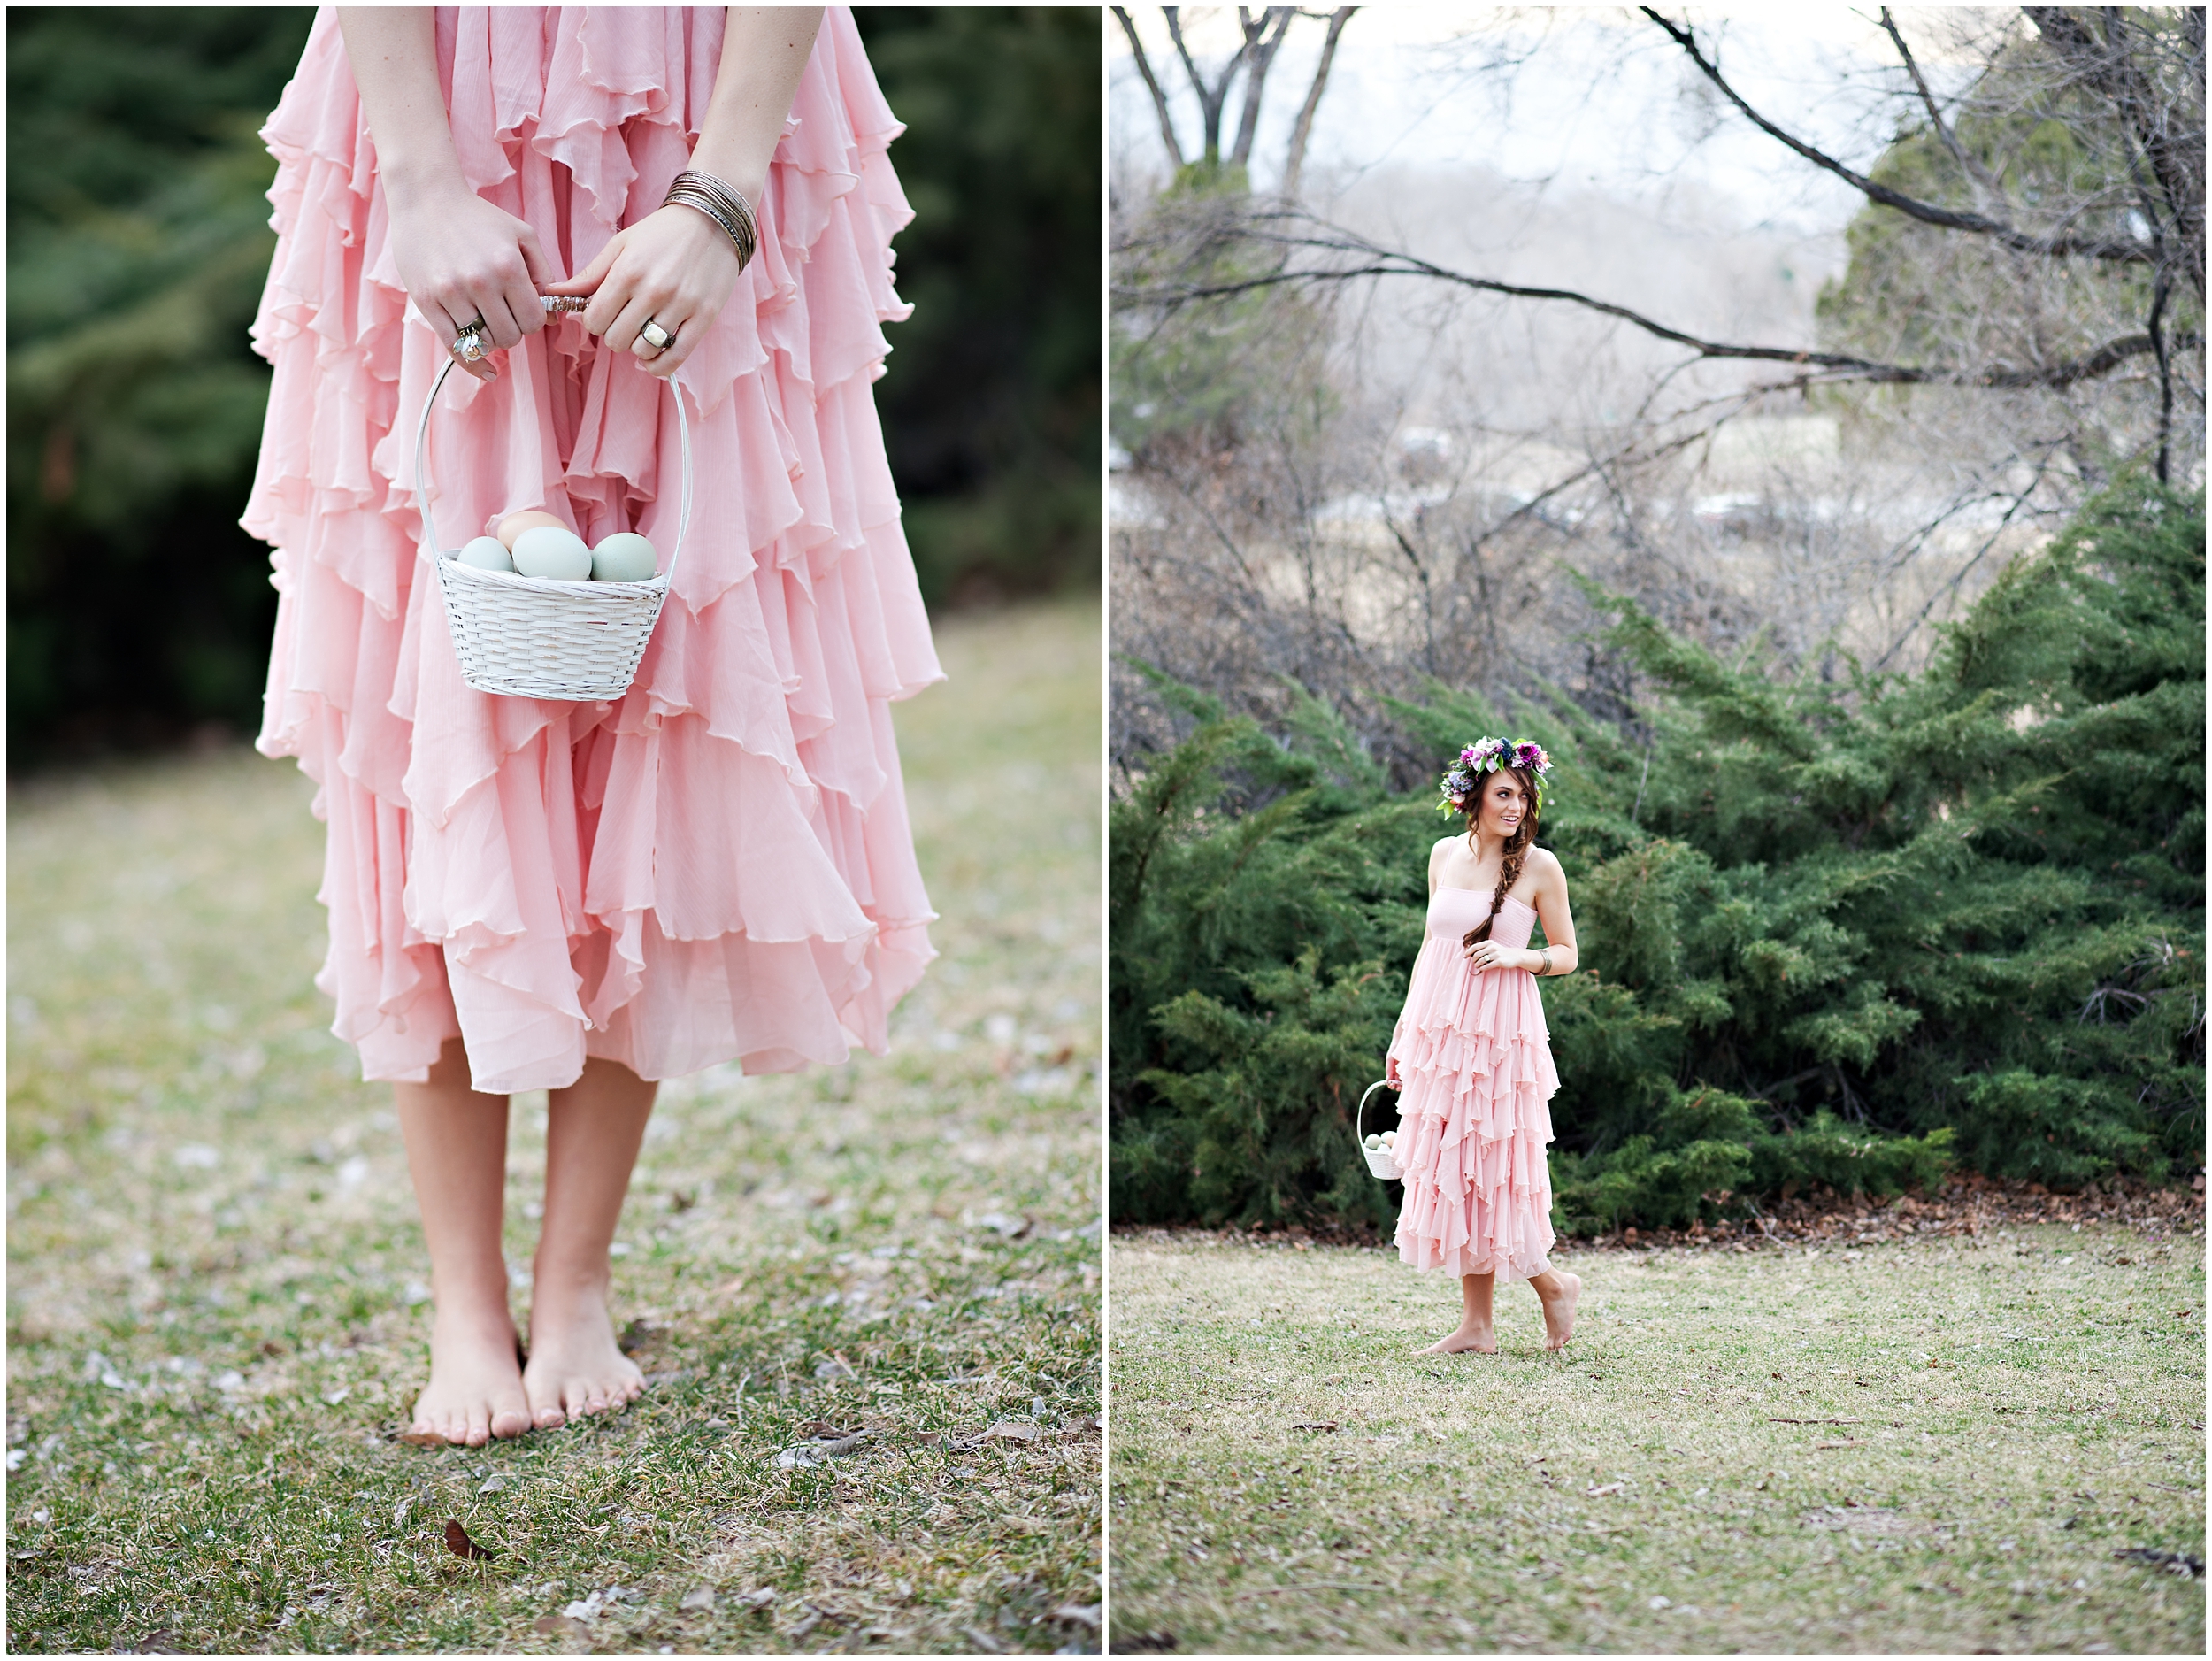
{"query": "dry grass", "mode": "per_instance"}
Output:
(1929, 1446)
(215, 1318)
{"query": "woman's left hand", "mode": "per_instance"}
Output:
(1487, 954)
(673, 267)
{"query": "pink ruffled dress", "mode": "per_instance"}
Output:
(718, 865)
(1474, 1114)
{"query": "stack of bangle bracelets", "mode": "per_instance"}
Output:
(728, 209)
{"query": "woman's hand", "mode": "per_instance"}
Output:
(1487, 954)
(1390, 1075)
(674, 268)
(463, 258)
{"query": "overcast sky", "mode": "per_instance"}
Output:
(1599, 100)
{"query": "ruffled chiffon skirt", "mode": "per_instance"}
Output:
(718, 865)
(1474, 1115)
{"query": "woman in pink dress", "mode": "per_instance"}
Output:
(1470, 1057)
(585, 898)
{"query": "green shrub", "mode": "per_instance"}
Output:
(1838, 931)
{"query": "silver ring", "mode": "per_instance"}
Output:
(654, 336)
(468, 345)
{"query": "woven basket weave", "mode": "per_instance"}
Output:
(533, 638)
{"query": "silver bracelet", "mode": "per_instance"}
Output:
(709, 196)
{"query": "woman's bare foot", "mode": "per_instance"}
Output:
(576, 1367)
(475, 1390)
(1559, 1309)
(1481, 1340)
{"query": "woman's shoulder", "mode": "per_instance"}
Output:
(1546, 864)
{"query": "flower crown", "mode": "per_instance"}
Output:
(1463, 777)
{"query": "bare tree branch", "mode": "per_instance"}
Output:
(1259, 52)
(2018, 501)
(1382, 262)
(1211, 99)
(1303, 131)
(2123, 251)
(2175, 159)
(1152, 84)
(1992, 193)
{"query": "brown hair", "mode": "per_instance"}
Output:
(1516, 846)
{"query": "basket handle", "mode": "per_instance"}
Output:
(422, 470)
(1359, 1119)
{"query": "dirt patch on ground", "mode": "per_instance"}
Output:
(1966, 1205)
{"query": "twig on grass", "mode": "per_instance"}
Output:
(1771, 1419)
(1316, 1586)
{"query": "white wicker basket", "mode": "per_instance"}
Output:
(533, 638)
(1380, 1163)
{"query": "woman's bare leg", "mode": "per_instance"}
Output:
(457, 1150)
(1560, 1293)
(1476, 1331)
(593, 1131)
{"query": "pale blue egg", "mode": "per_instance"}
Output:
(486, 553)
(545, 550)
(624, 556)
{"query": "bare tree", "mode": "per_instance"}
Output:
(2010, 331)
(1262, 34)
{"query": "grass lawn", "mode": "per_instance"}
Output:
(1915, 1447)
(216, 1310)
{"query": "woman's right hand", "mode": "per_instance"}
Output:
(1390, 1075)
(463, 258)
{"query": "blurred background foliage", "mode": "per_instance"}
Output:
(139, 612)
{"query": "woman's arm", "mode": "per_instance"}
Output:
(675, 267)
(1560, 955)
(460, 256)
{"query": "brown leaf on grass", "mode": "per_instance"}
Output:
(1600, 1493)
(421, 1439)
(556, 1625)
(1324, 1425)
(1858, 1441)
(929, 1438)
(1014, 1430)
(458, 1541)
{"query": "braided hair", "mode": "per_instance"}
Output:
(1516, 847)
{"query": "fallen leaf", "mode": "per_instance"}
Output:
(929, 1438)
(730, 1288)
(811, 1453)
(458, 1541)
(1323, 1424)
(421, 1438)
(756, 1598)
(1014, 1430)
(555, 1626)
(1600, 1493)
(702, 1597)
